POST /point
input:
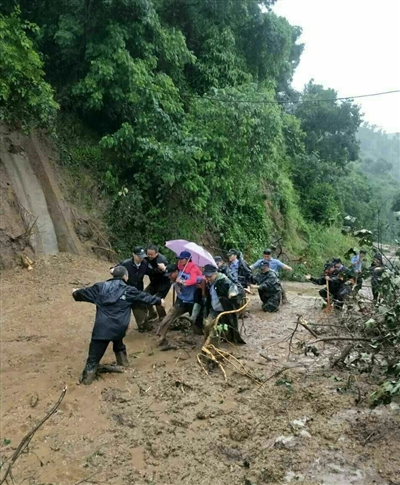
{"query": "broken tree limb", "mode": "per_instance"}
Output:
(346, 351)
(27, 438)
(304, 324)
(350, 339)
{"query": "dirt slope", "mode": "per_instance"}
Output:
(164, 421)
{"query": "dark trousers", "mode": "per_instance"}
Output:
(359, 283)
(176, 311)
(97, 349)
(152, 290)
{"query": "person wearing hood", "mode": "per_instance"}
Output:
(376, 269)
(114, 300)
(137, 267)
(269, 288)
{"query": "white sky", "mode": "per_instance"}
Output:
(352, 46)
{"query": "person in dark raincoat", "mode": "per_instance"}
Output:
(159, 281)
(269, 288)
(114, 300)
(137, 267)
(339, 288)
(223, 295)
(376, 269)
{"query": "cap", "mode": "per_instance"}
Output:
(185, 255)
(171, 268)
(336, 260)
(209, 270)
(139, 251)
(268, 251)
(232, 251)
(264, 264)
(217, 259)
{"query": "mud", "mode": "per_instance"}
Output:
(164, 421)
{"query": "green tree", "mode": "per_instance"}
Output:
(25, 98)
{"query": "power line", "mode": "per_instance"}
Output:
(269, 101)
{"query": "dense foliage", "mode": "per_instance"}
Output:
(197, 130)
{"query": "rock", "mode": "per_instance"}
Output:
(305, 434)
(394, 408)
(286, 442)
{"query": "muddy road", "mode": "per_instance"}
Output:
(164, 421)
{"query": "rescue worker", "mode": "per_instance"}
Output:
(185, 285)
(274, 265)
(225, 269)
(137, 267)
(223, 295)
(159, 282)
(357, 266)
(114, 300)
(376, 269)
(269, 288)
(239, 267)
(335, 283)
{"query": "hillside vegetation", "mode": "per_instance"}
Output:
(183, 113)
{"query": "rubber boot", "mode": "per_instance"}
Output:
(195, 312)
(122, 359)
(88, 376)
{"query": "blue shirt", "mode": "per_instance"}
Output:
(357, 263)
(234, 267)
(215, 303)
(274, 264)
(186, 293)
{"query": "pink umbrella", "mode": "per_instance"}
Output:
(200, 256)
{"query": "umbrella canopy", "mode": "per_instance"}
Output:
(200, 256)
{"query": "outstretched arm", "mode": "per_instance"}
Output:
(86, 294)
(135, 296)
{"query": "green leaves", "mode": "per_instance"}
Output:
(25, 98)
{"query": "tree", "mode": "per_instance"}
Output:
(25, 98)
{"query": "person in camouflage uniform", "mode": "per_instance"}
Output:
(269, 288)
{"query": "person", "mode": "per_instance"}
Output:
(269, 288)
(357, 266)
(274, 265)
(225, 269)
(223, 295)
(333, 282)
(113, 300)
(239, 267)
(339, 266)
(185, 296)
(137, 267)
(159, 281)
(376, 269)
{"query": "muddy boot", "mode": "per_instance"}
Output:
(88, 376)
(195, 312)
(122, 359)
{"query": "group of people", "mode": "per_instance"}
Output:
(340, 281)
(202, 293)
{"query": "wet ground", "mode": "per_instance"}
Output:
(164, 421)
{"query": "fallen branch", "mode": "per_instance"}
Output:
(27, 438)
(304, 324)
(343, 355)
(350, 339)
(88, 478)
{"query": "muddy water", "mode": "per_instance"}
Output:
(164, 421)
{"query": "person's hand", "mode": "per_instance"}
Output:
(162, 302)
(162, 266)
(327, 278)
(111, 270)
(307, 277)
(74, 289)
(232, 295)
(180, 281)
(247, 290)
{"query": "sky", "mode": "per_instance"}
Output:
(352, 46)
